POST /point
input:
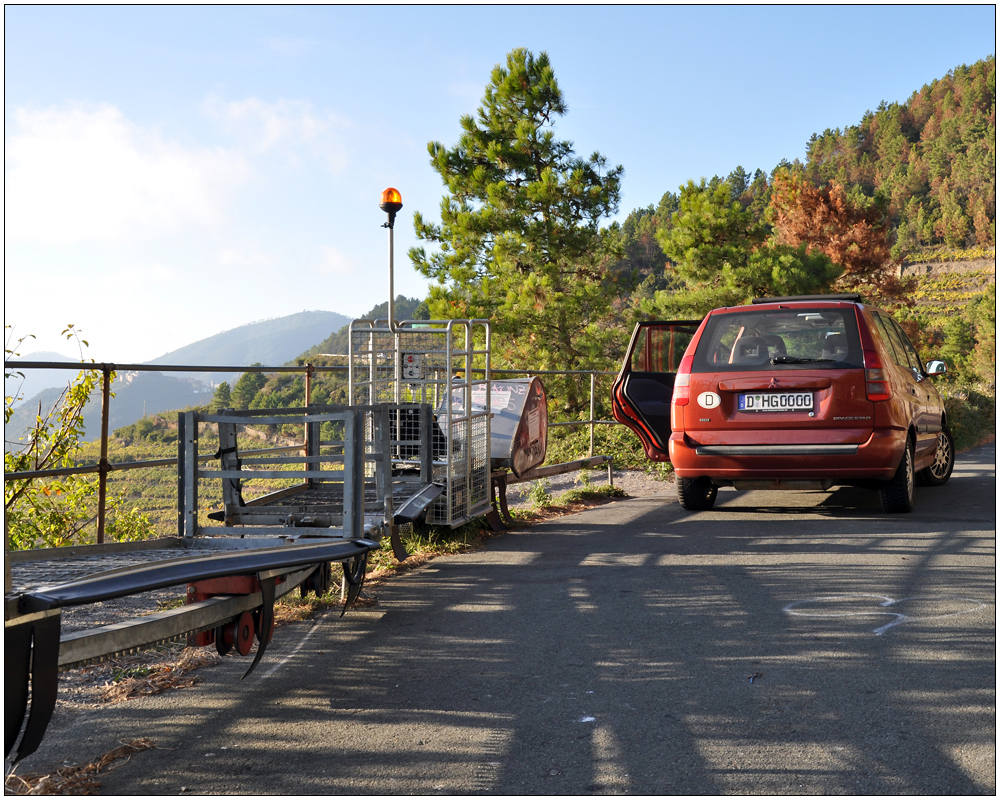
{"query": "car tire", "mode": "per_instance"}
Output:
(696, 494)
(897, 493)
(938, 473)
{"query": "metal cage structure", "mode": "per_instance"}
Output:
(443, 363)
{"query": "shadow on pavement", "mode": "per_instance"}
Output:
(630, 649)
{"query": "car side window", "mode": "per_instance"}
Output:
(911, 351)
(889, 337)
(906, 356)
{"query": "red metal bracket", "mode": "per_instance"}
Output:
(213, 587)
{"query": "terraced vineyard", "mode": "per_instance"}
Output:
(944, 289)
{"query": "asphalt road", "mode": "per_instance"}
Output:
(783, 643)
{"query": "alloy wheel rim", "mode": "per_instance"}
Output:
(942, 458)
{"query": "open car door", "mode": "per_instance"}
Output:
(640, 397)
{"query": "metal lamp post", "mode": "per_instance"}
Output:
(390, 203)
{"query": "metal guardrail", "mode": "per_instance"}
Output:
(104, 467)
(593, 395)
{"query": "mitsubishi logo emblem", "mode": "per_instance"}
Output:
(773, 384)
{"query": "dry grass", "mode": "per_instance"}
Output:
(74, 780)
(525, 517)
(159, 677)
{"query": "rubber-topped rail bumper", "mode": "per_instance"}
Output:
(188, 570)
(32, 640)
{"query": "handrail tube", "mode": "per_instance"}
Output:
(91, 365)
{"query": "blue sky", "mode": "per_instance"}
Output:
(174, 172)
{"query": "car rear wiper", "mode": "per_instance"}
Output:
(797, 360)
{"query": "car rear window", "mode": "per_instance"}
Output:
(779, 339)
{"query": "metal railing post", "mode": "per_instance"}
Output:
(102, 479)
(307, 428)
(593, 379)
(181, 471)
(190, 445)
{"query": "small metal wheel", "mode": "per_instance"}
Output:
(354, 577)
(318, 582)
(237, 633)
(223, 644)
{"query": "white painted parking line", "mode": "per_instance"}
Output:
(824, 607)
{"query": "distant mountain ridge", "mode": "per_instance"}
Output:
(271, 342)
(35, 380)
(338, 341)
(135, 395)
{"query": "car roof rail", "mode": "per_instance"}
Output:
(810, 298)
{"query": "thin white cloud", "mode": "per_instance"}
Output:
(121, 281)
(79, 173)
(334, 262)
(239, 257)
(289, 126)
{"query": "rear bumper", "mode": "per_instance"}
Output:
(878, 457)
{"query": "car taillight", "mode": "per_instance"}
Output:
(876, 380)
(682, 383)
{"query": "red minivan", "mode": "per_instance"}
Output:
(789, 392)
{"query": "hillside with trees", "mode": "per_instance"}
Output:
(929, 162)
(932, 158)
(910, 183)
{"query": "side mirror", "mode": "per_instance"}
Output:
(936, 368)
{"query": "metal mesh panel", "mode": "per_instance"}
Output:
(432, 365)
(479, 455)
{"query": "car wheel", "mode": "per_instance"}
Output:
(897, 493)
(944, 462)
(696, 494)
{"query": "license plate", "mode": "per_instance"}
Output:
(776, 401)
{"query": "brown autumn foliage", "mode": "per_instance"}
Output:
(858, 239)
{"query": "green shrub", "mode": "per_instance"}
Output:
(586, 493)
(539, 495)
(971, 413)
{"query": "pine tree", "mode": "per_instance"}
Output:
(247, 386)
(519, 237)
(222, 397)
